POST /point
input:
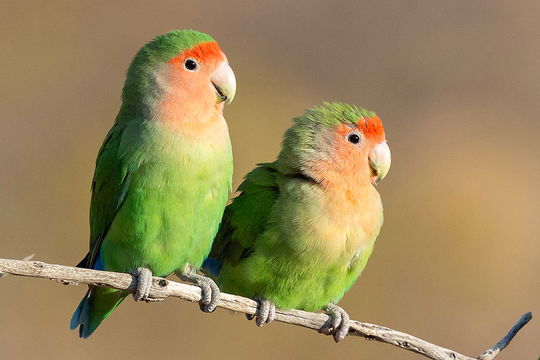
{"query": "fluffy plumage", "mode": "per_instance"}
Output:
(164, 170)
(302, 228)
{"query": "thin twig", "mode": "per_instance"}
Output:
(498, 347)
(162, 288)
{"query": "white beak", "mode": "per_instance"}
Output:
(380, 160)
(224, 82)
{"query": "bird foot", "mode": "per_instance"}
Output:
(266, 312)
(144, 283)
(210, 293)
(338, 324)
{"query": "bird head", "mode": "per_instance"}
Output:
(179, 70)
(336, 143)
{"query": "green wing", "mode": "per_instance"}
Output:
(109, 189)
(247, 216)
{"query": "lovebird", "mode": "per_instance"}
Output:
(303, 227)
(163, 173)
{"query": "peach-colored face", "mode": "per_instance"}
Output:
(351, 147)
(190, 94)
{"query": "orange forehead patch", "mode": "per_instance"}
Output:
(204, 52)
(372, 128)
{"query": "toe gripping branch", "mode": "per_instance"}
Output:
(210, 294)
(266, 312)
(338, 324)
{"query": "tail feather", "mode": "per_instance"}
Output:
(96, 306)
(212, 267)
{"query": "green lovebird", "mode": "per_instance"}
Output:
(163, 173)
(302, 228)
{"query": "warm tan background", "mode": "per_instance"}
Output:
(456, 83)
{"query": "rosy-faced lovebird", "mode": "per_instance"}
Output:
(302, 228)
(163, 173)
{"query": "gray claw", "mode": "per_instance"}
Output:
(339, 322)
(210, 293)
(144, 283)
(266, 312)
(271, 313)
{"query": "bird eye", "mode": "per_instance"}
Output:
(353, 138)
(191, 64)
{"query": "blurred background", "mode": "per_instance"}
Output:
(457, 84)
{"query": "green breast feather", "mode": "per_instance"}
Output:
(261, 254)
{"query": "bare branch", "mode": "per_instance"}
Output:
(163, 288)
(26, 258)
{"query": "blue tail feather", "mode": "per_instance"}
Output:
(81, 316)
(213, 266)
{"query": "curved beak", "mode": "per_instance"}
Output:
(379, 161)
(224, 83)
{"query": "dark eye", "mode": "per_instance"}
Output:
(353, 138)
(191, 64)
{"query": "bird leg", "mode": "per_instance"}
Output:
(144, 283)
(210, 293)
(339, 322)
(266, 312)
